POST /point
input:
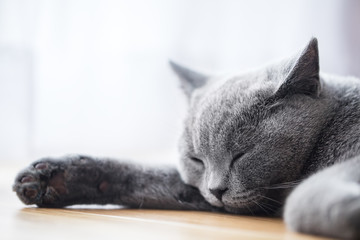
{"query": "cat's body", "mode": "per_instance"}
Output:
(249, 139)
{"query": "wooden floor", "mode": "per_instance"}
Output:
(20, 222)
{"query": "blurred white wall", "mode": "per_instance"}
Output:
(92, 76)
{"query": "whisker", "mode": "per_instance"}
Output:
(277, 187)
(269, 206)
(271, 199)
(260, 207)
(283, 185)
(252, 213)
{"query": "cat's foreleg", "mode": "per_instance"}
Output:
(86, 180)
(328, 203)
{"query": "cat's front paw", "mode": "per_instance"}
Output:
(339, 220)
(324, 206)
(42, 183)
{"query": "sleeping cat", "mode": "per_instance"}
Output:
(279, 139)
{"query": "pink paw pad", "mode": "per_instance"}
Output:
(27, 179)
(41, 166)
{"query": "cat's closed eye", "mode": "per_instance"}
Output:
(197, 160)
(236, 157)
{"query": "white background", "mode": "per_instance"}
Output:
(92, 76)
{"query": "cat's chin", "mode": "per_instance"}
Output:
(235, 210)
(247, 210)
(255, 207)
(250, 206)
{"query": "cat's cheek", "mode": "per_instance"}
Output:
(190, 176)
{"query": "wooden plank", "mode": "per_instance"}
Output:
(96, 222)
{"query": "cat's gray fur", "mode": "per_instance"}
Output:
(249, 139)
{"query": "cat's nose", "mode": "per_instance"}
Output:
(218, 192)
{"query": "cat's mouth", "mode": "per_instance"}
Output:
(242, 203)
(251, 203)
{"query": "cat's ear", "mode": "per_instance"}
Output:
(190, 79)
(303, 74)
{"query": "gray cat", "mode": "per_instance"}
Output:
(282, 139)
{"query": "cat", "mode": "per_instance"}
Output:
(281, 139)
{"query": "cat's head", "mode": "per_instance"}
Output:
(247, 133)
